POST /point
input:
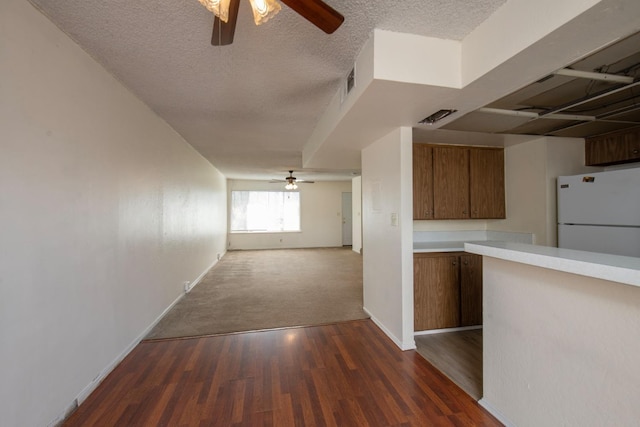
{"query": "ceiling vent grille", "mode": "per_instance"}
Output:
(438, 115)
(349, 84)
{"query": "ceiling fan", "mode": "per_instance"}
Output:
(291, 181)
(317, 12)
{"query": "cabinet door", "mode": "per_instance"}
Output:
(451, 182)
(422, 182)
(470, 290)
(436, 292)
(614, 148)
(486, 182)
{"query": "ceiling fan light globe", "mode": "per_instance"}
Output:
(263, 10)
(220, 8)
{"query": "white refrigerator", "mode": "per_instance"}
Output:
(600, 212)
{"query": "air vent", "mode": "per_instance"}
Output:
(349, 84)
(438, 115)
(351, 80)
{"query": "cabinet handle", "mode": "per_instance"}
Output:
(453, 263)
(635, 151)
(464, 212)
(426, 213)
(466, 263)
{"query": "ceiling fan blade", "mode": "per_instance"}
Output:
(318, 13)
(223, 31)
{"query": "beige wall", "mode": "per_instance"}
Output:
(559, 349)
(320, 217)
(388, 255)
(531, 170)
(105, 212)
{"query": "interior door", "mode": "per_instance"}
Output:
(347, 220)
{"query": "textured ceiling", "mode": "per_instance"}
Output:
(250, 107)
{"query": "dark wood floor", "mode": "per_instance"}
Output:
(346, 374)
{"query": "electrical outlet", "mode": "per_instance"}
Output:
(186, 287)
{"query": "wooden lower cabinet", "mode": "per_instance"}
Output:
(447, 290)
(470, 290)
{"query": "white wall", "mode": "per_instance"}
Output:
(105, 212)
(388, 256)
(531, 170)
(559, 349)
(320, 217)
(356, 207)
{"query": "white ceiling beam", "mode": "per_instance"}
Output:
(534, 116)
(611, 78)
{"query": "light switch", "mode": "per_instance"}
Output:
(394, 219)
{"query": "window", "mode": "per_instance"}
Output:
(265, 211)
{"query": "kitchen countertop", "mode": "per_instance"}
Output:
(615, 268)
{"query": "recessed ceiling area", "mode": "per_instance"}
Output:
(593, 96)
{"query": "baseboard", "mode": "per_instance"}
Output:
(199, 278)
(493, 411)
(411, 345)
(111, 366)
(90, 388)
(440, 331)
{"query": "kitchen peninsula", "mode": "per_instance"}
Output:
(561, 335)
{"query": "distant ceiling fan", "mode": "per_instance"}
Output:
(291, 181)
(317, 12)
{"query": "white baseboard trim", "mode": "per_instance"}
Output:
(82, 396)
(493, 411)
(411, 345)
(439, 331)
(199, 278)
(111, 366)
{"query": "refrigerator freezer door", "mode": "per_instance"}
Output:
(607, 240)
(603, 198)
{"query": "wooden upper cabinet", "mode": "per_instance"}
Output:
(457, 182)
(422, 181)
(450, 182)
(613, 148)
(470, 290)
(486, 183)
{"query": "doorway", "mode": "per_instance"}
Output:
(347, 220)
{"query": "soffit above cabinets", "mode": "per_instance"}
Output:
(567, 105)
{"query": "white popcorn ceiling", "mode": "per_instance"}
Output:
(250, 107)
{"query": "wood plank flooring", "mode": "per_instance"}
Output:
(458, 355)
(345, 374)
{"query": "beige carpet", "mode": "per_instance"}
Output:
(253, 290)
